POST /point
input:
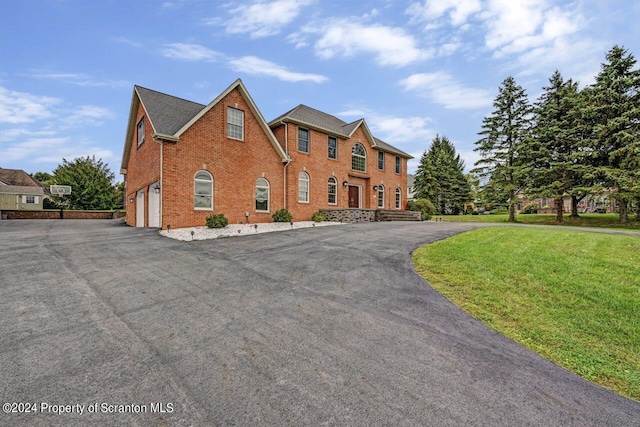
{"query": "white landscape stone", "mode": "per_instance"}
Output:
(233, 230)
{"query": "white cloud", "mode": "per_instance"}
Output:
(391, 46)
(20, 107)
(32, 147)
(445, 90)
(86, 115)
(254, 65)
(405, 133)
(458, 11)
(262, 18)
(129, 42)
(79, 79)
(190, 52)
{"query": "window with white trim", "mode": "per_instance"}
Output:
(332, 191)
(398, 165)
(203, 191)
(303, 187)
(235, 123)
(140, 131)
(381, 160)
(333, 148)
(30, 199)
(358, 158)
(262, 195)
(398, 198)
(381, 196)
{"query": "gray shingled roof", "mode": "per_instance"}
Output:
(167, 113)
(18, 177)
(332, 124)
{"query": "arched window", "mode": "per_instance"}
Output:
(381, 196)
(358, 158)
(203, 191)
(262, 195)
(332, 191)
(398, 198)
(303, 187)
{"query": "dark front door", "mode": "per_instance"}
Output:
(354, 196)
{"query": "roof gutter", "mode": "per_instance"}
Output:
(163, 137)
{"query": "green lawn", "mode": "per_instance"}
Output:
(571, 296)
(585, 220)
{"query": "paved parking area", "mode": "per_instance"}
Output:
(321, 326)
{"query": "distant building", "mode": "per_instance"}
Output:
(19, 191)
(411, 191)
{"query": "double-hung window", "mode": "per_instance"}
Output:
(235, 123)
(303, 187)
(332, 191)
(262, 195)
(303, 140)
(398, 165)
(140, 131)
(333, 147)
(381, 160)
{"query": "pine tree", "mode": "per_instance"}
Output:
(553, 153)
(503, 134)
(615, 111)
(440, 177)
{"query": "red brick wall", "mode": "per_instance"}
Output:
(143, 168)
(320, 167)
(235, 166)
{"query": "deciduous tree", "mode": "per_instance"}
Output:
(91, 183)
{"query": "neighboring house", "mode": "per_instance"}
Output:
(19, 191)
(411, 191)
(589, 204)
(183, 161)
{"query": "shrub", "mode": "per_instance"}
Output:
(318, 217)
(530, 209)
(499, 211)
(282, 215)
(217, 221)
(469, 211)
(424, 206)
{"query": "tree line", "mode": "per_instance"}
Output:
(570, 143)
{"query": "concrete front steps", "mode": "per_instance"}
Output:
(396, 215)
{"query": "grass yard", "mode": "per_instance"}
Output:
(585, 220)
(571, 296)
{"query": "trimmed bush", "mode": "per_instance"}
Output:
(282, 215)
(424, 206)
(318, 217)
(530, 209)
(217, 221)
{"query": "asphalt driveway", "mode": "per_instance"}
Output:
(320, 326)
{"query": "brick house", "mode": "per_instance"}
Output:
(183, 161)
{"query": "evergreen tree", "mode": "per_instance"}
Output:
(553, 153)
(503, 134)
(91, 183)
(440, 178)
(615, 111)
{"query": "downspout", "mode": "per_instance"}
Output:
(284, 170)
(159, 141)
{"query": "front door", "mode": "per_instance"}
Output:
(354, 196)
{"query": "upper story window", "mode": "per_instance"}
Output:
(235, 123)
(381, 196)
(262, 195)
(381, 160)
(303, 140)
(398, 165)
(358, 158)
(333, 147)
(332, 191)
(203, 189)
(140, 129)
(303, 187)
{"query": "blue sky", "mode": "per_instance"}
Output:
(412, 69)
